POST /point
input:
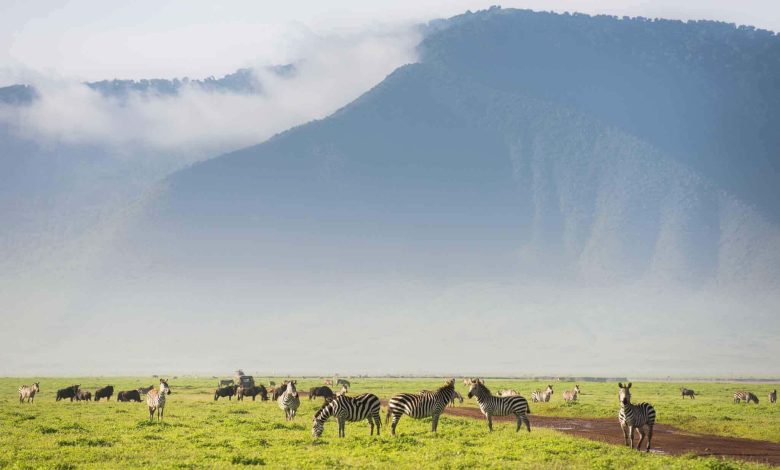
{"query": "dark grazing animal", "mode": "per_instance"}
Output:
(687, 392)
(145, 390)
(67, 392)
(225, 383)
(640, 417)
(105, 392)
(276, 392)
(155, 400)
(129, 395)
(491, 405)
(27, 392)
(83, 395)
(745, 396)
(773, 396)
(420, 405)
(252, 392)
(289, 401)
(344, 382)
(344, 408)
(324, 392)
(228, 392)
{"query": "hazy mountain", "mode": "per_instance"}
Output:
(523, 144)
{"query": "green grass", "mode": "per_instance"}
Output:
(199, 432)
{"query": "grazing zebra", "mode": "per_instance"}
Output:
(155, 400)
(344, 408)
(508, 393)
(639, 416)
(542, 396)
(420, 405)
(343, 391)
(27, 392)
(344, 382)
(289, 401)
(687, 392)
(773, 396)
(745, 396)
(571, 395)
(499, 406)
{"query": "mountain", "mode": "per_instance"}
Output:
(523, 145)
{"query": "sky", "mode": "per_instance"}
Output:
(95, 39)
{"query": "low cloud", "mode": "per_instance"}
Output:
(196, 123)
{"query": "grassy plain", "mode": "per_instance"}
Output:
(199, 432)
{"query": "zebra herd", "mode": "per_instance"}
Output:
(426, 404)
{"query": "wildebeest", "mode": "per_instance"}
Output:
(278, 391)
(324, 392)
(83, 395)
(129, 395)
(272, 383)
(344, 382)
(67, 392)
(27, 392)
(252, 392)
(105, 392)
(225, 383)
(145, 390)
(687, 392)
(228, 391)
(773, 396)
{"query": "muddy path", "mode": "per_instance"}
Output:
(666, 439)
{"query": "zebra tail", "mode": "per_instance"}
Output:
(387, 417)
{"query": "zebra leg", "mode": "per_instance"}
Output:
(378, 422)
(649, 437)
(527, 423)
(434, 422)
(631, 430)
(371, 424)
(624, 427)
(151, 414)
(490, 422)
(641, 430)
(396, 417)
(342, 422)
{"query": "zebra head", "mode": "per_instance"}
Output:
(625, 393)
(318, 422)
(577, 388)
(549, 390)
(36, 387)
(291, 388)
(164, 388)
(475, 387)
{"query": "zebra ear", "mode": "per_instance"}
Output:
(620, 384)
(629, 385)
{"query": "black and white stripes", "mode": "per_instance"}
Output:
(289, 401)
(27, 392)
(345, 408)
(491, 405)
(421, 405)
(745, 396)
(640, 417)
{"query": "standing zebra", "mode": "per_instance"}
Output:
(27, 392)
(687, 392)
(773, 396)
(745, 396)
(571, 395)
(499, 406)
(344, 390)
(639, 417)
(289, 401)
(420, 405)
(542, 396)
(344, 408)
(155, 400)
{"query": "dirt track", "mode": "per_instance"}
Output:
(666, 439)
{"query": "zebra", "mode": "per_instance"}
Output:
(745, 396)
(540, 396)
(508, 393)
(27, 392)
(571, 395)
(155, 400)
(420, 405)
(289, 401)
(773, 396)
(456, 396)
(631, 417)
(344, 408)
(491, 405)
(344, 382)
(687, 392)
(343, 391)
(145, 390)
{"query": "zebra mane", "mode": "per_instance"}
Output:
(484, 387)
(328, 405)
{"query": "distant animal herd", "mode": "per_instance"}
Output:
(366, 407)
